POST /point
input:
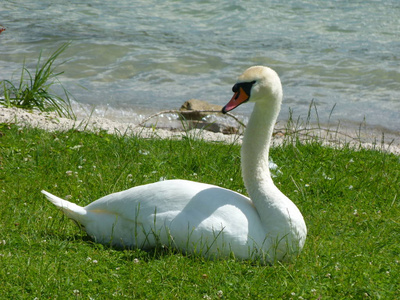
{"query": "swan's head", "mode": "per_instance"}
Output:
(257, 84)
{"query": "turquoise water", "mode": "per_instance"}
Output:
(134, 57)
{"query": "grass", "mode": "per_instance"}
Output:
(350, 201)
(34, 91)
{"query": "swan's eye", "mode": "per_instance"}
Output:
(246, 86)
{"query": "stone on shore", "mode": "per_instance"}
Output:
(195, 109)
(195, 113)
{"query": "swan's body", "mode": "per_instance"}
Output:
(202, 218)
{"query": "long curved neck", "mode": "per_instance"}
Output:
(255, 163)
(256, 144)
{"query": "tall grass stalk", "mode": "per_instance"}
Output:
(34, 91)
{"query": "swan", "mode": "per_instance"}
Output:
(202, 218)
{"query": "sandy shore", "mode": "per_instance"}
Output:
(51, 122)
(371, 139)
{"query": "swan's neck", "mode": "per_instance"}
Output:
(255, 166)
(256, 144)
(281, 219)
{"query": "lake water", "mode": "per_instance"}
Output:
(132, 58)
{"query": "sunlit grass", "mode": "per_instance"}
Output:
(350, 201)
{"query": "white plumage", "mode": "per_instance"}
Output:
(202, 218)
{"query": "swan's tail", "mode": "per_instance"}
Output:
(71, 210)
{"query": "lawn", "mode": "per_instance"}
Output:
(349, 199)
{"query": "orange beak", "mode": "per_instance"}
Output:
(238, 98)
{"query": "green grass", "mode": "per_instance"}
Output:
(350, 201)
(35, 91)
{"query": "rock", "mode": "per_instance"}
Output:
(192, 109)
(213, 127)
(194, 112)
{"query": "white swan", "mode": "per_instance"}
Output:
(203, 218)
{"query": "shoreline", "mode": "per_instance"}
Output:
(330, 136)
(49, 121)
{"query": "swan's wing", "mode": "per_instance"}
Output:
(171, 196)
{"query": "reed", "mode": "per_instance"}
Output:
(34, 91)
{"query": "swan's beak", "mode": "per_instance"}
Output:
(238, 98)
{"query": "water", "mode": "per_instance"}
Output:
(130, 58)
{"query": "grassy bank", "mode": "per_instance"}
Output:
(350, 201)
